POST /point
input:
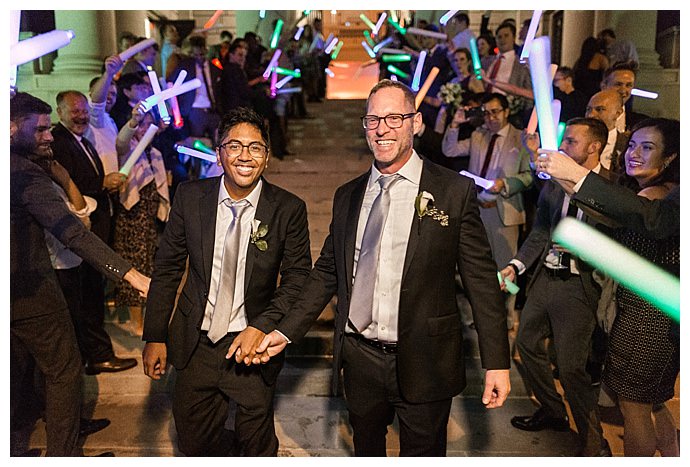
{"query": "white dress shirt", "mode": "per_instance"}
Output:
(607, 154)
(505, 71)
(396, 232)
(102, 132)
(223, 219)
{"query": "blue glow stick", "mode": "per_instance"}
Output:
(446, 17)
(418, 71)
(647, 94)
(194, 153)
(331, 46)
(636, 273)
(299, 32)
(272, 63)
(540, 65)
(289, 90)
(379, 23)
(156, 86)
(276, 34)
(476, 61)
(531, 32)
(383, 43)
(37, 46)
(371, 53)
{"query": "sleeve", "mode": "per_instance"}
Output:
(97, 116)
(522, 180)
(452, 147)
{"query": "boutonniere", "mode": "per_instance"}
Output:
(259, 231)
(424, 204)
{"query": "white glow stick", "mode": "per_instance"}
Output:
(383, 43)
(379, 23)
(212, 20)
(446, 17)
(479, 181)
(155, 85)
(331, 45)
(299, 32)
(425, 87)
(150, 101)
(272, 63)
(329, 72)
(37, 46)
(145, 141)
(532, 125)
(371, 53)
(283, 81)
(424, 32)
(556, 111)
(385, 50)
(194, 153)
(180, 78)
(642, 93)
(531, 32)
(178, 122)
(15, 23)
(540, 61)
(135, 49)
(289, 90)
(418, 71)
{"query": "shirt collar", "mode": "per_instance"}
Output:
(509, 54)
(411, 171)
(252, 197)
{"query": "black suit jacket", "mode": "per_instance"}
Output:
(430, 350)
(189, 235)
(188, 64)
(234, 90)
(34, 206)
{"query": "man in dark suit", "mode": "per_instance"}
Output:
(40, 324)
(235, 255)
(233, 88)
(78, 155)
(621, 77)
(398, 331)
(562, 300)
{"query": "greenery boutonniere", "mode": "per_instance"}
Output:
(424, 204)
(259, 231)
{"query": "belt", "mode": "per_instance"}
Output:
(560, 273)
(385, 347)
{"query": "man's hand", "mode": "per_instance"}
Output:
(272, 345)
(530, 141)
(113, 64)
(155, 359)
(113, 181)
(561, 167)
(496, 388)
(244, 345)
(497, 187)
(458, 118)
(138, 281)
(507, 273)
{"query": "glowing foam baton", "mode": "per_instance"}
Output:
(447, 16)
(262, 14)
(383, 43)
(418, 71)
(139, 148)
(328, 39)
(135, 49)
(476, 61)
(180, 78)
(178, 122)
(212, 20)
(289, 90)
(194, 153)
(532, 125)
(379, 23)
(396, 58)
(283, 81)
(479, 181)
(329, 48)
(371, 53)
(425, 87)
(632, 271)
(647, 94)
(272, 63)
(284, 71)
(540, 61)
(367, 21)
(531, 32)
(329, 72)
(15, 26)
(556, 111)
(37, 46)
(394, 78)
(200, 146)
(156, 86)
(335, 53)
(386, 50)
(561, 132)
(274, 83)
(306, 12)
(299, 32)
(216, 63)
(276, 34)
(397, 71)
(368, 38)
(424, 32)
(150, 101)
(512, 288)
(395, 24)
(394, 15)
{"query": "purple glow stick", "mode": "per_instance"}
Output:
(272, 63)
(37, 46)
(379, 23)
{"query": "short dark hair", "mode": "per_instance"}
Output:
(408, 96)
(630, 65)
(508, 25)
(227, 35)
(24, 104)
(607, 32)
(491, 40)
(488, 97)
(463, 17)
(596, 129)
(246, 115)
(236, 44)
(197, 41)
(70, 92)
(130, 79)
(566, 71)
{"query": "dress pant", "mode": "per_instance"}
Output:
(373, 399)
(200, 404)
(561, 307)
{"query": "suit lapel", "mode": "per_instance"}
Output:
(208, 209)
(351, 222)
(264, 213)
(426, 183)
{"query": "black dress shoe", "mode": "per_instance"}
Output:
(540, 421)
(110, 366)
(88, 427)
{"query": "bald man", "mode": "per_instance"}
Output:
(607, 106)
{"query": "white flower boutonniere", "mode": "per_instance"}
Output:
(424, 204)
(259, 231)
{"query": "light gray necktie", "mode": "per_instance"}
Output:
(362, 300)
(222, 311)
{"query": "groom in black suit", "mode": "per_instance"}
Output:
(398, 335)
(238, 233)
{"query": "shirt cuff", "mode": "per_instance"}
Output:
(520, 265)
(284, 336)
(578, 185)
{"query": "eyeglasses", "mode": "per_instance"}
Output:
(371, 122)
(493, 112)
(233, 148)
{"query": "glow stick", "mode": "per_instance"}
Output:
(394, 15)
(532, 125)
(540, 61)
(386, 50)
(379, 23)
(299, 32)
(212, 20)
(150, 101)
(425, 87)
(395, 24)
(632, 271)
(156, 86)
(397, 71)
(512, 288)
(289, 90)
(647, 94)
(561, 132)
(329, 48)
(215, 62)
(272, 63)
(329, 72)
(383, 43)
(180, 78)
(531, 32)
(15, 26)
(556, 111)
(276, 34)
(446, 17)
(200, 146)
(479, 181)
(194, 153)
(136, 152)
(335, 53)
(418, 71)
(37, 46)
(178, 122)
(424, 32)
(396, 58)
(135, 49)
(367, 36)
(371, 53)
(283, 81)
(394, 78)
(262, 14)
(284, 71)
(367, 21)
(274, 83)
(476, 61)
(328, 39)
(306, 12)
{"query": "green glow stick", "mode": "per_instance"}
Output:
(285, 71)
(370, 41)
(476, 61)
(367, 21)
(276, 33)
(636, 273)
(198, 145)
(335, 53)
(396, 58)
(400, 29)
(397, 71)
(561, 132)
(512, 288)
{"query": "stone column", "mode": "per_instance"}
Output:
(577, 26)
(132, 21)
(639, 26)
(91, 44)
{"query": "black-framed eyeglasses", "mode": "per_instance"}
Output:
(233, 148)
(371, 122)
(493, 112)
